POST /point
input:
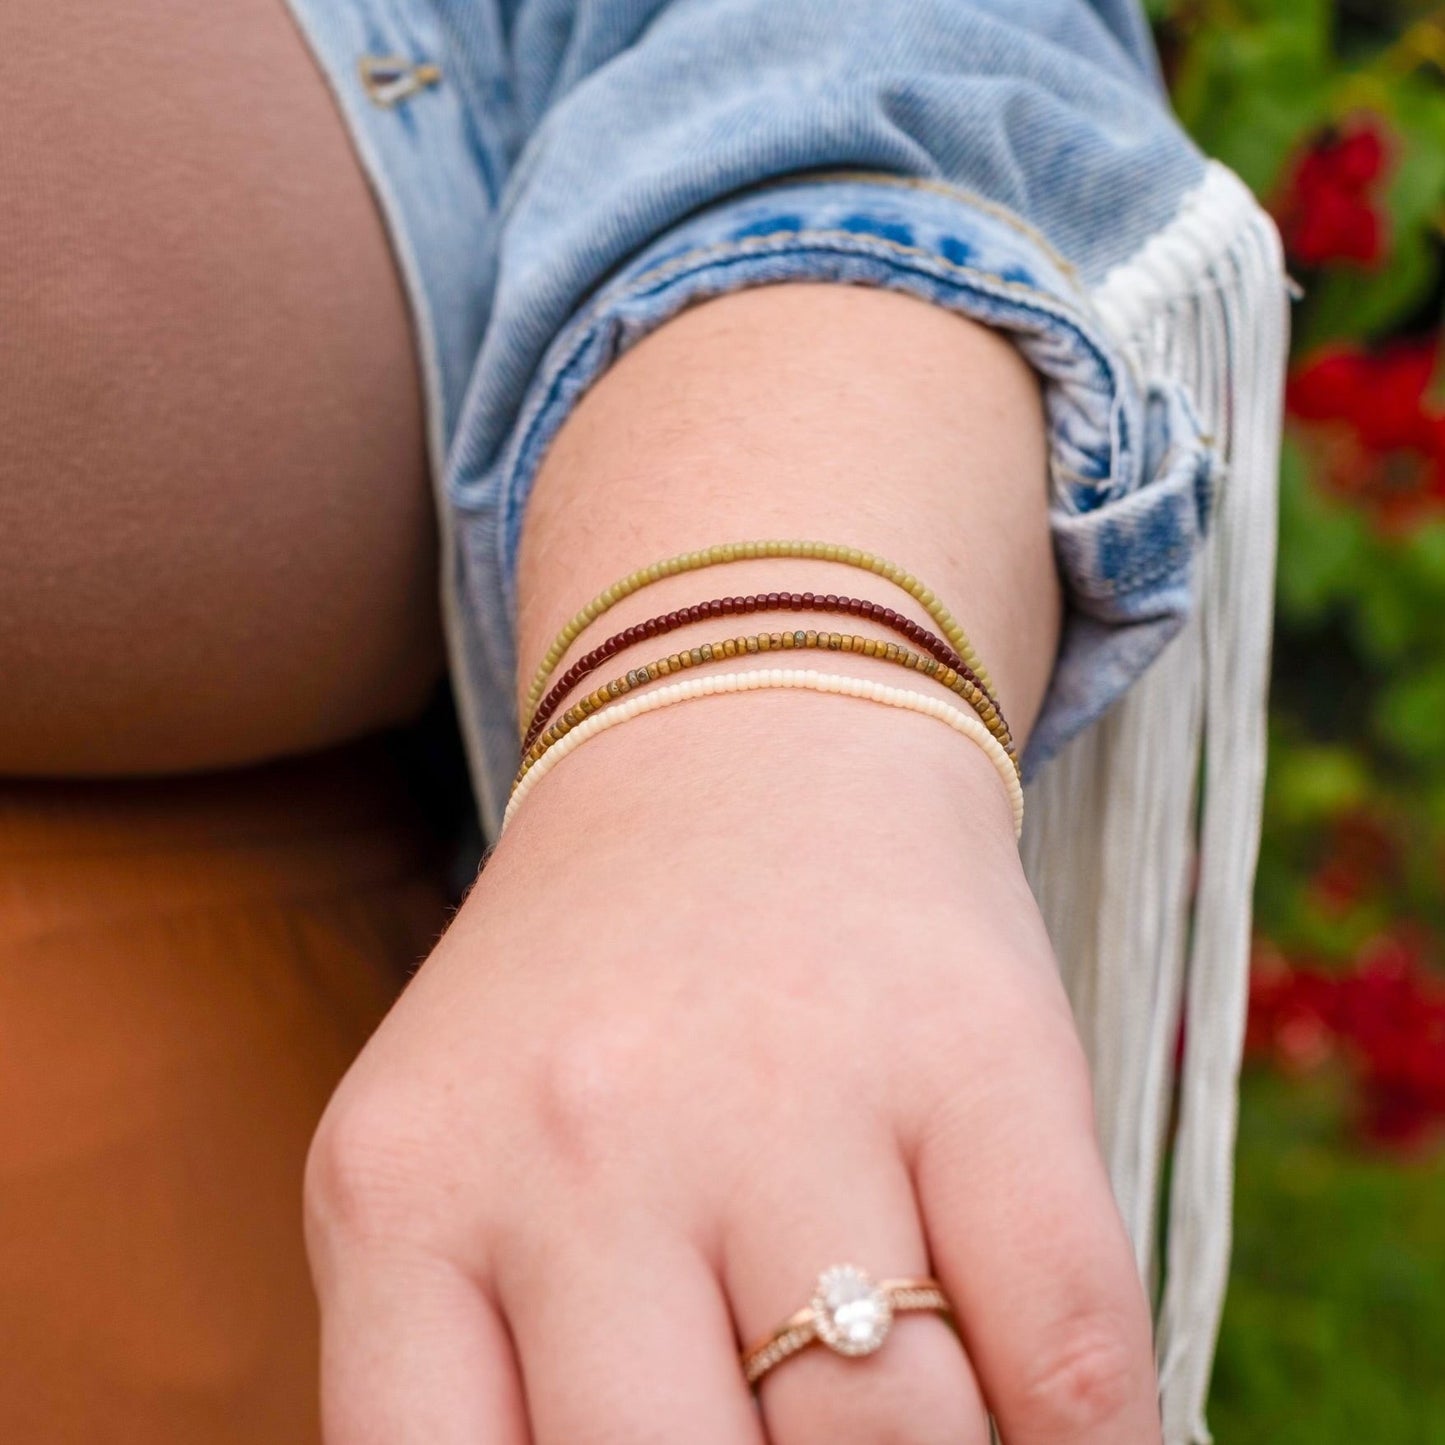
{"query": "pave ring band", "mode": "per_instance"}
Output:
(848, 1313)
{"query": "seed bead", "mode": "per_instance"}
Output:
(920, 636)
(962, 686)
(960, 721)
(724, 552)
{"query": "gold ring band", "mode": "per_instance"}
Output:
(848, 1313)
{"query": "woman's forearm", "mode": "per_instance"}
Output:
(842, 414)
(753, 984)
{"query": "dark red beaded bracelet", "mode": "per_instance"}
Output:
(665, 622)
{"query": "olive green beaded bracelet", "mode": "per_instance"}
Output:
(801, 639)
(740, 552)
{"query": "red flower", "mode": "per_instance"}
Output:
(1361, 858)
(1327, 213)
(1291, 1015)
(1394, 1018)
(1379, 434)
(1386, 1016)
(1382, 396)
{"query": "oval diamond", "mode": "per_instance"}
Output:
(850, 1313)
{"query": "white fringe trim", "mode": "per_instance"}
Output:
(1144, 833)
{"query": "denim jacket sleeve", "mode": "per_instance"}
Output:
(996, 159)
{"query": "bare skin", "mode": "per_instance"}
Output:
(753, 985)
(216, 534)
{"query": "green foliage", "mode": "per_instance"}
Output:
(1253, 80)
(1335, 1328)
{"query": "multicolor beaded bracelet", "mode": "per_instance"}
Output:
(667, 622)
(780, 677)
(746, 551)
(887, 651)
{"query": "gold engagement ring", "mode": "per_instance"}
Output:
(848, 1313)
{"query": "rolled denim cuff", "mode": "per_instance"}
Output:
(1130, 471)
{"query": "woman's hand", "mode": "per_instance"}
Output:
(753, 985)
(727, 1007)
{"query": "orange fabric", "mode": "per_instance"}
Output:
(186, 969)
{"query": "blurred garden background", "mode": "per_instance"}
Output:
(1334, 111)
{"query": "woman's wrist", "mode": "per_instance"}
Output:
(762, 800)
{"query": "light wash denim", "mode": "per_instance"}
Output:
(583, 169)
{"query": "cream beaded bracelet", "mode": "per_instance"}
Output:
(741, 552)
(797, 640)
(960, 721)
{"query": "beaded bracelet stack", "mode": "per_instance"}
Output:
(949, 660)
(800, 640)
(739, 606)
